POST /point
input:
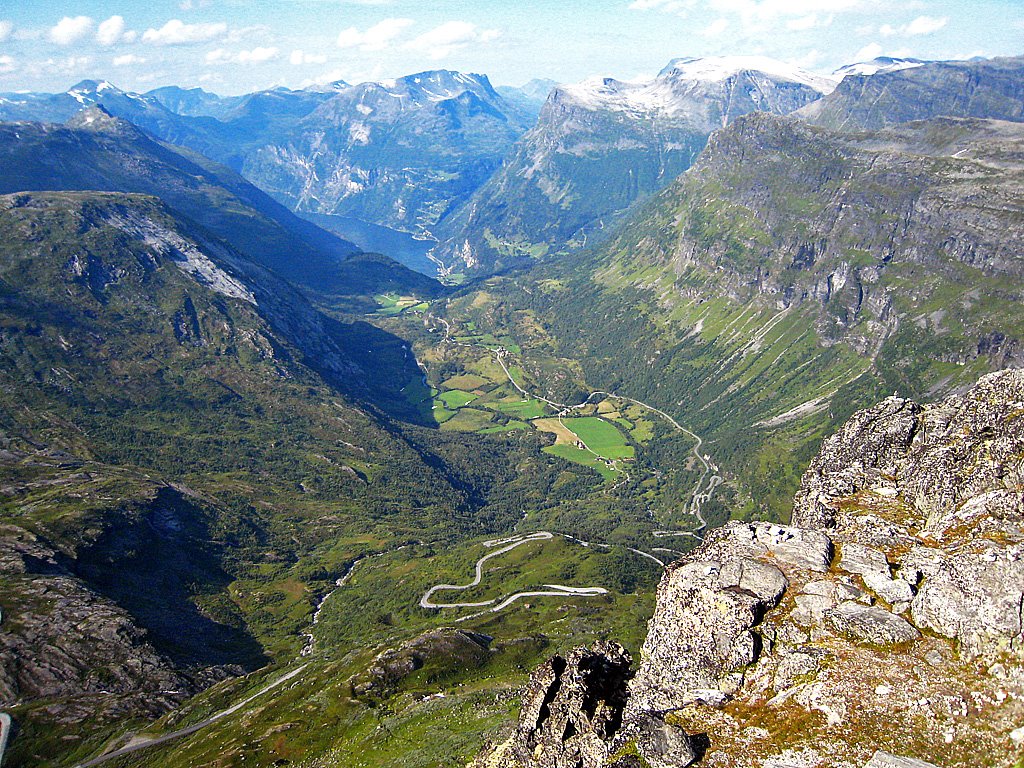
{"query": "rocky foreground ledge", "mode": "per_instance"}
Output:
(882, 629)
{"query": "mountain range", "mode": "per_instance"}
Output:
(400, 154)
(601, 145)
(249, 469)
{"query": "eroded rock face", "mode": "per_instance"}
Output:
(861, 453)
(77, 647)
(700, 638)
(883, 628)
(976, 598)
(572, 709)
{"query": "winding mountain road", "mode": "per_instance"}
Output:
(510, 543)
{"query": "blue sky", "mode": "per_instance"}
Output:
(232, 46)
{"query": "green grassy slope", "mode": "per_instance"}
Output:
(791, 276)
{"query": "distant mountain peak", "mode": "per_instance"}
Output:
(438, 84)
(96, 118)
(671, 92)
(88, 90)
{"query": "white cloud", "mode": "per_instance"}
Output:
(254, 56)
(809, 60)
(7, 65)
(715, 28)
(299, 57)
(73, 65)
(796, 14)
(177, 32)
(6, 28)
(444, 40)
(868, 52)
(248, 33)
(257, 55)
(113, 31)
(772, 9)
(376, 38)
(127, 60)
(922, 25)
(925, 25)
(70, 29)
(811, 21)
(666, 6)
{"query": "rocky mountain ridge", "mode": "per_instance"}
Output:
(97, 151)
(600, 145)
(400, 153)
(876, 97)
(886, 620)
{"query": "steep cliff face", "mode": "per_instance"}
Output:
(867, 100)
(602, 144)
(886, 621)
(795, 214)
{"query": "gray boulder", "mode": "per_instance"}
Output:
(759, 579)
(870, 624)
(789, 545)
(700, 633)
(976, 598)
(661, 744)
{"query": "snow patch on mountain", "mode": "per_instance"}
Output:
(876, 66)
(719, 68)
(671, 94)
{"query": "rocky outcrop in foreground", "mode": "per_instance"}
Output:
(883, 628)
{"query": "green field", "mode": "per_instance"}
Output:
(601, 437)
(454, 399)
(441, 414)
(579, 456)
(470, 420)
(392, 304)
(523, 409)
(467, 381)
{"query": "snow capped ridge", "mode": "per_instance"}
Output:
(876, 66)
(92, 87)
(671, 93)
(432, 85)
(718, 68)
